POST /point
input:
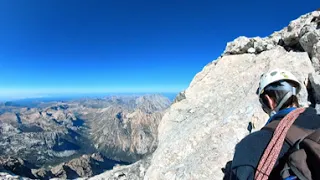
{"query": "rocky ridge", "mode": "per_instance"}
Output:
(197, 135)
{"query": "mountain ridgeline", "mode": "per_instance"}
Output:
(64, 138)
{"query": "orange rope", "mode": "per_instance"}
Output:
(272, 152)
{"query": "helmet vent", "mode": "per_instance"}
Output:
(273, 73)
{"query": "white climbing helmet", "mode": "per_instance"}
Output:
(277, 75)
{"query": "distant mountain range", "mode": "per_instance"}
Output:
(33, 100)
(46, 133)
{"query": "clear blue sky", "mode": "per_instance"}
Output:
(63, 46)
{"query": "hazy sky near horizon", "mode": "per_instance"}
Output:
(94, 46)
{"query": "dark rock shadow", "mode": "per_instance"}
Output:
(106, 164)
(64, 145)
(295, 47)
(20, 169)
(71, 174)
(78, 122)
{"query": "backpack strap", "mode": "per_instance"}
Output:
(274, 147)
(294, 134)
(315, 136)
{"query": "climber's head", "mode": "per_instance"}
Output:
(277, 90)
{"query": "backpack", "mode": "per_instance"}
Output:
(302, 161)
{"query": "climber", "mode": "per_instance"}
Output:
(277, 94)
(277, 90)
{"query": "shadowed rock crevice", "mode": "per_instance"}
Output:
(311, 94)
(292, 47)
(17, 166)
(181, 96)
(314, 88)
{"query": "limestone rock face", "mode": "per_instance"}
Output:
(251, 45)
(315, 56)
(197, 135)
